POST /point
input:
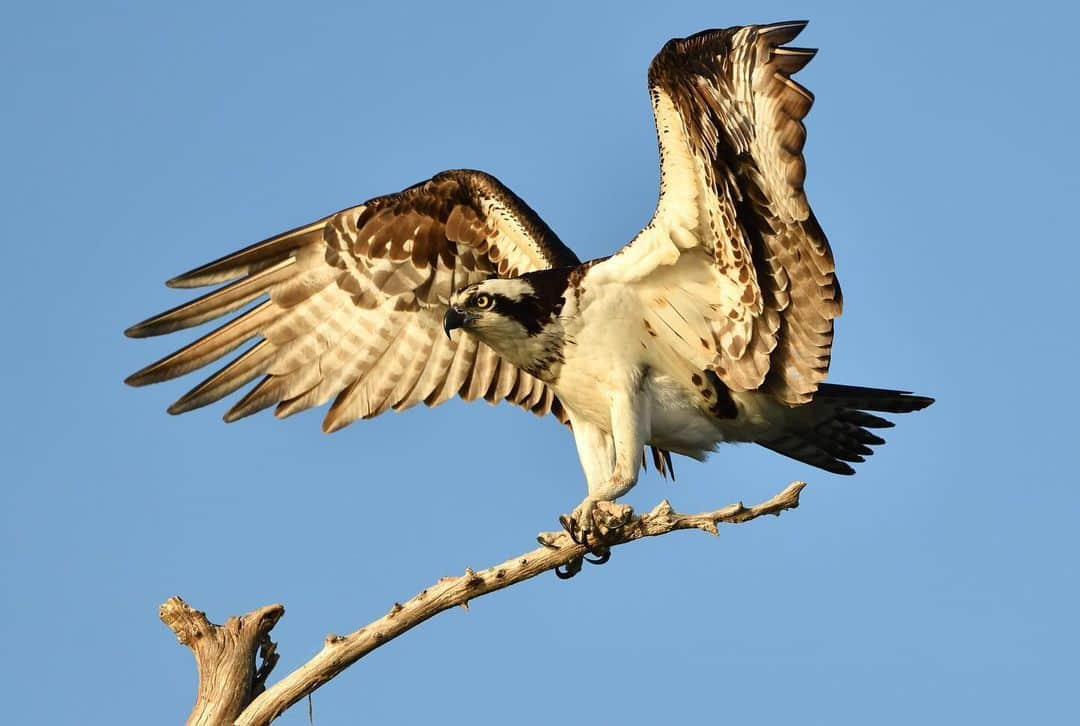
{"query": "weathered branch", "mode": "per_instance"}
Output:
(225, 657)
(230, 688)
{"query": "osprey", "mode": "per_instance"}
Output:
(714, 324)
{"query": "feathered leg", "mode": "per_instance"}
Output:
(611, 462)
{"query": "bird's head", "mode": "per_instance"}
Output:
(497, 311)
(518, 317)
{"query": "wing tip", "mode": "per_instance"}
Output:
(200, 276)
(244, 407)
(331, 425)
(790, 60)
(183, 282)
(784, 31)
(139, 378)
(146, 328)
(142, 329)
(179, 406)
(920, 402)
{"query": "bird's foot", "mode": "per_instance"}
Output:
(591, 525)
(594, 521)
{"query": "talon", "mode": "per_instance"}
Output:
(577, 534)
(572, 568)
(600, 555)
(569, 525)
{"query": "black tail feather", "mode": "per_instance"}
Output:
(832, 429)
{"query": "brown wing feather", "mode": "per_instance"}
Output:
(729, 119)
(355, 303)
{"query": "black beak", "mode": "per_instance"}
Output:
(454, 318)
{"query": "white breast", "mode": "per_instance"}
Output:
(601, 351)
(608, 348)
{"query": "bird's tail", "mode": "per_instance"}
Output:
(833, 428)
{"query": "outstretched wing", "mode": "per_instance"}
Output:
(734, 262)
(354, 303)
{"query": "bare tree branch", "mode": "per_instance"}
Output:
(231, 688)
(225, 657)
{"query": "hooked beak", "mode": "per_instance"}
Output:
(454, 318)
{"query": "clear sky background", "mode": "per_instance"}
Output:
(938, 585)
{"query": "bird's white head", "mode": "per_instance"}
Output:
(513, 316)
(492, 310)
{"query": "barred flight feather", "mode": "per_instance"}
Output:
(347, 310)
(729, 123)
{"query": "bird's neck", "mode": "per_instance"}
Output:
(539, 354)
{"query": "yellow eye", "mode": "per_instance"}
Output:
(482, 301)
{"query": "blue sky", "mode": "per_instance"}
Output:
(939, 584)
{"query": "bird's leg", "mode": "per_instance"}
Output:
(611, 462)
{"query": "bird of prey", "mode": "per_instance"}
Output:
(714, 324)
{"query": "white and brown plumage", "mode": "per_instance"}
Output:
(355, 307)
(714, 324)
